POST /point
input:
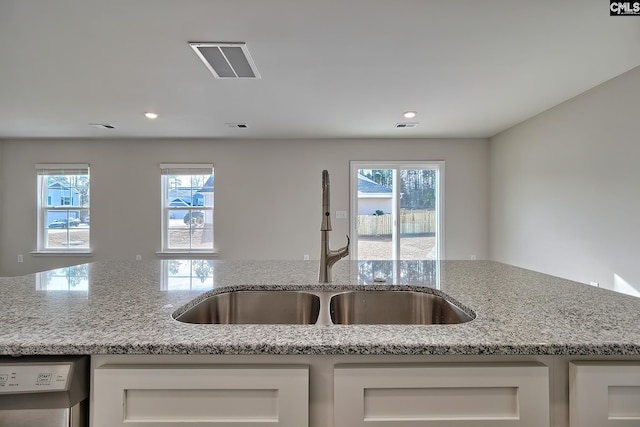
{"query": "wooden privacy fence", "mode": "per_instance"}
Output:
(412, 222)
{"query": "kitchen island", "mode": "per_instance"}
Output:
(122, 313)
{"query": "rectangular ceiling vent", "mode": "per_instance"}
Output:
(406, 125)
(102, 125)
(227, 60)
(237, 125)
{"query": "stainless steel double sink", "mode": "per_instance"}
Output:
(351, 307)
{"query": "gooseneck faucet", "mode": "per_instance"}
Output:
(328, 257)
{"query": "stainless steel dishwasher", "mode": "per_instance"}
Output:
(51, 391)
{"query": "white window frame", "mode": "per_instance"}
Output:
(43, 170)
(395, 165)
(172, 169)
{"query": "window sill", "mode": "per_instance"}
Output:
(187, 254)
(62, 253)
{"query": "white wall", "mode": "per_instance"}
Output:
(268, 193)
(565, 188)
(1, 200)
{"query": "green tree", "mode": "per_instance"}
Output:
(383, 177)
(418, 188)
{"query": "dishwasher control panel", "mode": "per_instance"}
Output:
(35, 377)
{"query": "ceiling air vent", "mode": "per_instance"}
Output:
(102, 125)
(227, 60)
(406, 125)
(237, 125)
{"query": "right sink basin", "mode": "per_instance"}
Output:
(381, 307)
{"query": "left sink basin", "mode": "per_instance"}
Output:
(255, 307)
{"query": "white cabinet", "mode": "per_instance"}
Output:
(604, 394)
(442, 395)
(202, 395)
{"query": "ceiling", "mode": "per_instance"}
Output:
(329, 68)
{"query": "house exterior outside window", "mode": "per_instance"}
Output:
(187, 208)
(63, 208)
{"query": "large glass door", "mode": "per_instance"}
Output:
(396, 210)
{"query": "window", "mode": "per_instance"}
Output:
(396, 210)
(187, 208)
(63, 207)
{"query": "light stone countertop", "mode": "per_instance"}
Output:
(121, 307)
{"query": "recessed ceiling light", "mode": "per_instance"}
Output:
(151, 115)
(409, 114)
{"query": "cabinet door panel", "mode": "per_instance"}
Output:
(604, 394)
(137, 396)
(247, 405)
(440, 403)
(442, 395)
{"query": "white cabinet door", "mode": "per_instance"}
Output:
(442, 395)
(604, 394)
(203, 396)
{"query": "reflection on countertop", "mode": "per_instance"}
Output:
(416, 272)
(74, 278)
(187, 274)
